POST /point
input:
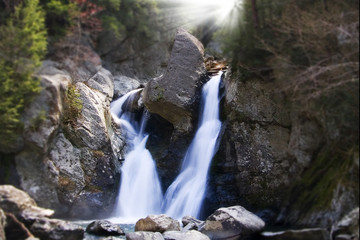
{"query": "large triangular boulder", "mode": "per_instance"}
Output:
(174, 95)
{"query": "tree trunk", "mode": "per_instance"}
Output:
(255, 13)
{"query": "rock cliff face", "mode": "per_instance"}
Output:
(271, 160)
(70, 165)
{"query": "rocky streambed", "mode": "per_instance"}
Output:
(21, 218)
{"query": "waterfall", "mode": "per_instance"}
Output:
(140, 192)
(185, 195)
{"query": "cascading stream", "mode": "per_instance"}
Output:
(185, 195)
(140, 191)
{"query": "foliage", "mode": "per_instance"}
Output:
(311, 49)
(23, 43)
(59, 16)
(333, 167)
(36, 122)
(72, 106)
(242, 39)
(130, 18)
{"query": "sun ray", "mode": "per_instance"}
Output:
(192, 13)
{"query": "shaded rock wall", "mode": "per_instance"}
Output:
(271, 160)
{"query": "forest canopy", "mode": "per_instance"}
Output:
(311, 48)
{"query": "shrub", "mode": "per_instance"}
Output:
(23, 41)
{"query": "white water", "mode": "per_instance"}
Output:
(185, 195)
(140, 192)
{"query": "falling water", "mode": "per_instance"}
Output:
(140, 191)
(186, 193)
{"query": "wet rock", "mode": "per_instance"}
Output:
(104, 228)
(157, 223)
(174, 94)
(301, 234)
(347, 227)
(55, 229)
(231, 223)
(188, 235)
(134, 103)
(144, 235)
(253, 164)
(123, 85)
(191, 223)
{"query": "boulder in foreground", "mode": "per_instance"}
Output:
(189, 235)
(144, 235)
(157, 223)
(104, 228)
(231, 223)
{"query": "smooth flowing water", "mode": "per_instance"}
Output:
(185, 195)
(140, 191)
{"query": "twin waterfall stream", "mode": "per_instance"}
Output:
(140, 191)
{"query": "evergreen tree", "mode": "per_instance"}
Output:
(23, 41)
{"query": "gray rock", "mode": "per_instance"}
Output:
(144, 236)
(2, 224)
(157, 223)
(67, 171)
(102, 81)
(173, 95)
(123, 85)
(20, 206)
(42, 117)
(189, 235)
(17, 202)
(15, 229)
(231, 223)
(55, 229)
(301, 234)
(191, 223)
(253, 164)
(71, 168)
(347, 227)
(90, 128)
(104, 228)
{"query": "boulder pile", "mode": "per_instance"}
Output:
(21, 218)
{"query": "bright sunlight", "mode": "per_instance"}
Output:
(195, 12)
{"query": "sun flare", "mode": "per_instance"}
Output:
(195, 12)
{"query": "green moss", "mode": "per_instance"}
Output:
(38, 120)
(316, 188)
(159, 93)
(72, 106)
